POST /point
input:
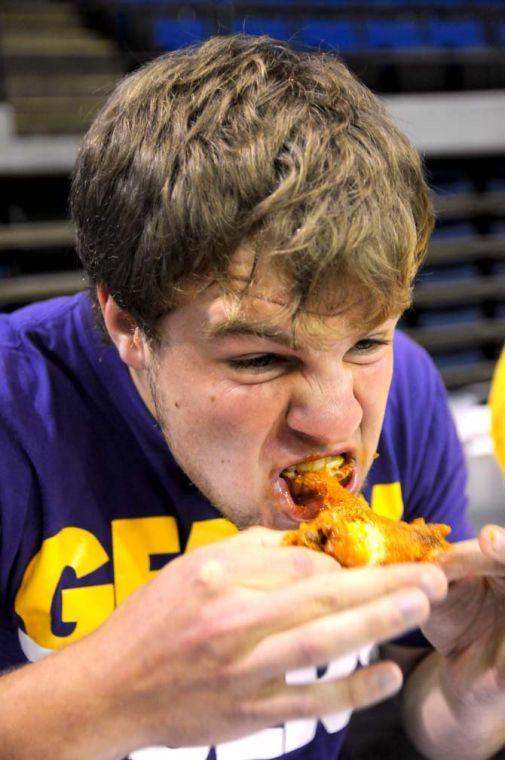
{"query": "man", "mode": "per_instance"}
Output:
(251, 222)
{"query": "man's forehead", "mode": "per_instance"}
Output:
(257, 283)
(259, 277)
(257, 297)
(268, 314)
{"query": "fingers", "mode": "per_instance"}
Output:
(329, 593)
(352, 587)
(249, 620)
(277, 565)
(492, 543)
(361, 689)
(318, 642)
(266, 538)
(254, 559)
(482, 557)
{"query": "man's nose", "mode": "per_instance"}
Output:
(326, 409)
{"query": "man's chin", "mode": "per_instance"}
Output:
(241, 520)
(281, 522)
(266, 518)
(277, 518)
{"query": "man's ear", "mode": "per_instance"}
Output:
(123, 331)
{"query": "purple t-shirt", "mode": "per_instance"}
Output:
(92, 502)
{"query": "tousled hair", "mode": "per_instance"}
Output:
(245, 140)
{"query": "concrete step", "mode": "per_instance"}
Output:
(22, 11)
(79, 43)
(467, 374)
(54, 115)
(455, 337)
(39, 155)
(458, 251)
(36, 236)
(18, 290)
(464, 205)
(7, 124)
(62, 19)
(464, 292)
(60, 84)
(46, 65)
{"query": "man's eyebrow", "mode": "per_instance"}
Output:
(236, 327)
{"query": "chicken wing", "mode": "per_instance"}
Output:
(348, 530)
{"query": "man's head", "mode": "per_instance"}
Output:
(237, 198)
(243, 139)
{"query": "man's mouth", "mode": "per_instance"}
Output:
(302, 501)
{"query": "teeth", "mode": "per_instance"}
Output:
(331, 464)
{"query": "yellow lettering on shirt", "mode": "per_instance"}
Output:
(210, 531)
(86, 607)
(134, 541)
(387, 500)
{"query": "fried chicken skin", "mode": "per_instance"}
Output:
(347, 529)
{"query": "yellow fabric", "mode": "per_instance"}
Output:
(497, 406)
(387, 500)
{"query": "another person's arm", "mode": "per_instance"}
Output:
(454, 700)
(445, 715)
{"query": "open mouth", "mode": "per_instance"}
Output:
(304, 485)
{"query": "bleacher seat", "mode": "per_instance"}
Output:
(263, 4)
(326, 3)
(466, 314)
(453, 33)
(457, 360)
(458, 272)
(435, 3)
(172, 33)
(275, 27)
(394, 33)
(146, 4)
(448, 231)
(330, 34)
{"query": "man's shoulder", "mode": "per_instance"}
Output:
(415, 376)
(32, 324)
(31, 340)
(410, 356)
(417, 398)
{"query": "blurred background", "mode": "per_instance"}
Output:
(439, 65)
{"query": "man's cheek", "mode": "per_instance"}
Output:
(233, 426)
(374, 385)
(240, 410)
(214, 425)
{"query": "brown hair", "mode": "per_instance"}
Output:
(245, 139)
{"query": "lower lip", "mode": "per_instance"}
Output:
(352, 485)
(295, 513)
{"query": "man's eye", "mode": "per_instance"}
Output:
(367, 345)
(257, 362)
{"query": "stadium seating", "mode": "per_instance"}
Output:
(396, 47)
(168, 33)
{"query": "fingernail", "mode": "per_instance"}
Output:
(387, 681)
(497, 537)
(411, 608)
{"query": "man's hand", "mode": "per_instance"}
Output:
(468, 627)
(200, 654)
